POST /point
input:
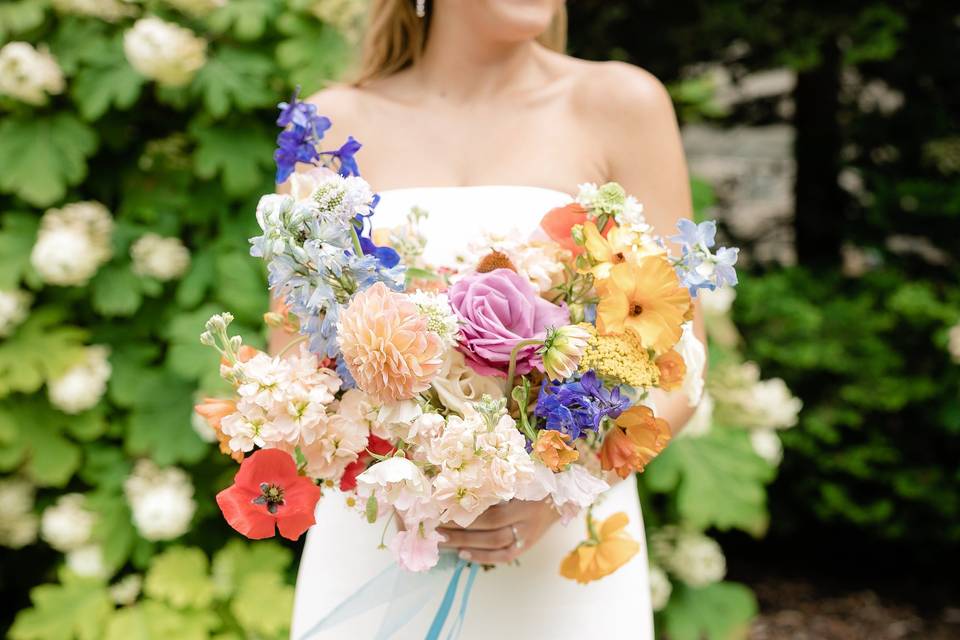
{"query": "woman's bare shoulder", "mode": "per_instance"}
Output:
(616, 94)
(339, 102)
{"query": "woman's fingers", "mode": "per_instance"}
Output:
(478, 539)
(502, 515)
(491, 556)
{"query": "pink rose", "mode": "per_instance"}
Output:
(497, 310)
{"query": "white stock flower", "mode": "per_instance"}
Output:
(158, 257)
(14, 308)
(67, 525)
(197, 8)
(161, 500)
(164, 51)
(701, 422)
(82, 385)
(457, 384)
(72, 243)
(697, 559)
(953, 342)
(660, 588)
(766, 444)
(27, 74)
(108, 10)
(695, 358)
(18, 522)
(87, 561)
(126, 590)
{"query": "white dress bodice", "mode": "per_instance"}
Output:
(527, 601)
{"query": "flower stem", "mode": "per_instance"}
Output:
(357, 249)
(512, 369)
(290, 345)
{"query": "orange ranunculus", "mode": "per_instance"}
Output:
(557, 223)
(213, 410)
(618, 453)
(648, 433)
(553, 450)
(606, 551)
(672, 370)
(646, 298)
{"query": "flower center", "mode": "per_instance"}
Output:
(636, 309)
(619, 257)
(270, 495)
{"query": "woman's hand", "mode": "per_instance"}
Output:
(502, 533)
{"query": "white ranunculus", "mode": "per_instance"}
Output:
(701, 422)
(18, 522)
(14, 308)
(72, 243)
(766, 444)
(109, 10)
(660, 588)
(126, 590)
(158, 257)
(718, 301)
(953, 342)
(67, 525)
(161, 500)
(164, 51)
(82, 385)
(697, 560)
(695, 357)
(197, 8)
(29, 75)
(457, 385)
(87, 561)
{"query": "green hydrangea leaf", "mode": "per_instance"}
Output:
(313, 53)
(720, 611)
(194, 286)
(38, 444)
(104, 466)
(20, 16)
(131, 366)
(719, 480)
(186, 356)
(88, 425)
(79, 609)
(16, 242)
(116, 291)
(114, 528)
(242, 287)
(238, 560)
(241, 154)
(235, 80)
(159, 425)
(180, 577)
(263, 605)
(39, 350)
(108, 80)
(246, 19)
(42, 155)
(152, 620)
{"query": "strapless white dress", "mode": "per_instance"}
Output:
(518, 602)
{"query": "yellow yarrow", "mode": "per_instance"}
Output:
(619, 357)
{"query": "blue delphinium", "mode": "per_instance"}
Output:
(303, 130)
(346, 157)
(576, 406)
(698, 267)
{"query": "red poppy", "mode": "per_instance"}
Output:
(379, 446)
(267, 493)
(558, 225)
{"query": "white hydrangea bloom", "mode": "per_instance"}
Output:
(72, 243)
(158, 257)
(82, 385)
(161, 500)
(109, 10)
(18, 522)
(87, 561)
(126, 590)
(953, 342)
(441, 318)
(14, 308)
(660, 588)
(697, 560)
(773, 404)
(196, 7)
(67, 525)
(28, 74)
(766, 444)
(164, 51)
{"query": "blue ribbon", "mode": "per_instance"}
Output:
(407, 594)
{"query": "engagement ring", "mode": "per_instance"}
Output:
(517, 540)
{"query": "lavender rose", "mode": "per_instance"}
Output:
(497, 310)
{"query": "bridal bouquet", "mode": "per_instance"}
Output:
(430, 393)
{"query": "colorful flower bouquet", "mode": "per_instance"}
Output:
(430, 394)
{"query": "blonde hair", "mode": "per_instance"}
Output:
(395, 38)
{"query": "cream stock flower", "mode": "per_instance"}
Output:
(164, 51)
(28, 74)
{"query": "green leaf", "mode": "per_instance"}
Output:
(238, 559)
(39, 350)
(720, 611)
(79, 610)
(247, 19)
(159, 424)
(41, 156)
(314, 53)
(16, 242)
(235, 80)
(114, 528)
(116, 291)
(186, 356)
(108, 80)
(37, 443)
(263, 604)
(242, 286)
(241, 154)
(179, 576)
(21, 16)
(194, 286)
(151, 620)
(719, 480)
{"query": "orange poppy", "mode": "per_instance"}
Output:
(553, 450)
(608, 549)
(672, 370)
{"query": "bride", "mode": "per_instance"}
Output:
(470, 110)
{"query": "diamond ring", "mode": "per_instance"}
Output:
(517, 540)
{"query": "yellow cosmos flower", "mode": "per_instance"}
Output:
(608, 549)
(645, 298)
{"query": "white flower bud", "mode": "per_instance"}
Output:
(87, 561)
(72, 243)
(161, 500)
(157, 257)
(697, 560)
(82, 386)
(67, 525)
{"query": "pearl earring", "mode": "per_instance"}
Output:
(421, 8)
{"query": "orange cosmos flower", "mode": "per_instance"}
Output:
(672, 370)
(646, 298)
(608, 549)
(213, 410)
(553, 450)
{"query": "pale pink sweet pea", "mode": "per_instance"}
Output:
(496, 311)
(576, 489)
(395, 481)
(416, 549)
